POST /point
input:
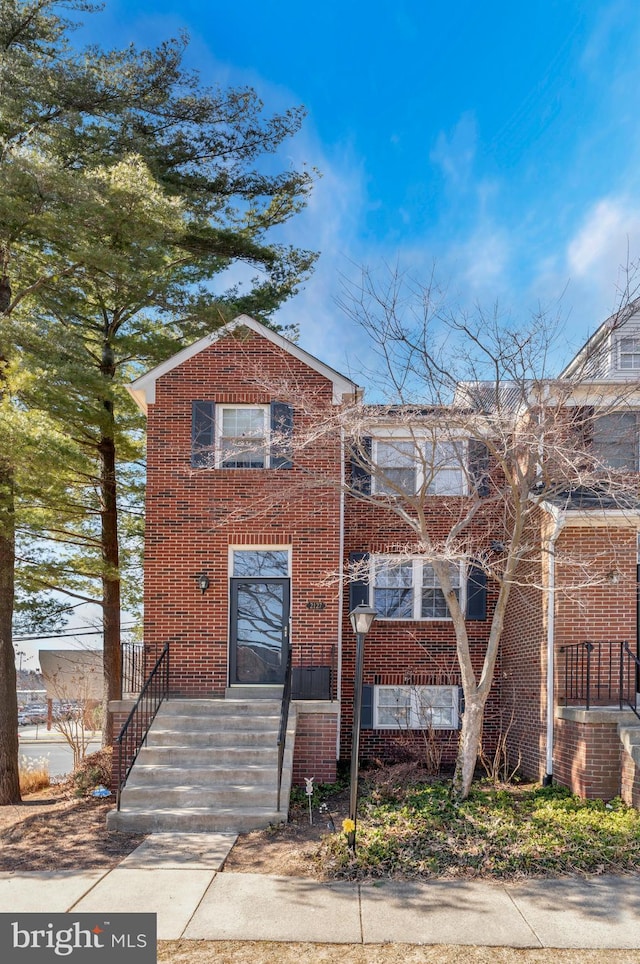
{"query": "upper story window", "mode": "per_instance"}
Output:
(226, 436)
(629, 353)
(615, 440)
(242, 437)
(403, 466)
(409, 589)
(445, 463)
(395, 461)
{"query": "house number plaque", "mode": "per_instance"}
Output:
(316, 605)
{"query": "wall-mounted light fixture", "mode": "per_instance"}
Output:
(613, 577)
(203, 581)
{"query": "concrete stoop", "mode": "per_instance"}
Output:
(209, 765)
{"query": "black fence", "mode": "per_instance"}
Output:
(313, 676)
(599, 674)
(131, 668)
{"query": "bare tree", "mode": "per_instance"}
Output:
(477, 437)
(74, 681)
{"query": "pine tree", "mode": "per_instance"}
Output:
(125, 186)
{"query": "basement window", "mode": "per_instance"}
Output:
(415, 707)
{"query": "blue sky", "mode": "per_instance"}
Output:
(499, 141)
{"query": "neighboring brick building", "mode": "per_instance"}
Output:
(250, 532)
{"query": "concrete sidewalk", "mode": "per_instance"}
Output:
(177, 877)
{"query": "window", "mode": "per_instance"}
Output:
(615, 440)
(242, 441)
(405, 465)
(445, 462)
(225, 436)
(416, 707)
(409, 589)
(396, 462)
(262, 563)
(629, 354)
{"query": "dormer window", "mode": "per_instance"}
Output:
(629, 353)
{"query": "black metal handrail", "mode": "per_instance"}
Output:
(134, 732)
(602, 673)
(633, 664)
(284, 719)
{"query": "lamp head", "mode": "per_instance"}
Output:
(203, 582)
(362, 619)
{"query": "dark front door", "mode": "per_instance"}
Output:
(259, 630)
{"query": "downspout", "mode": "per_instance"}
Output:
(340, 586)
(558, 525)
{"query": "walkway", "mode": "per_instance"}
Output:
(177, 877)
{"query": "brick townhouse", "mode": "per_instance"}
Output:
(258, 546)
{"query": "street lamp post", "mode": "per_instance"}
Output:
(361, 620)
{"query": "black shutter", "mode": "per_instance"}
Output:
(202, 435)
(361, 467)
(366, 708)
(479, 467)
(282, 435)
(359, 587)
(476, 593)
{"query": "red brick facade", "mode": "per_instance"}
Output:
(195, 516)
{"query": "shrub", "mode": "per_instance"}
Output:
(94, 770)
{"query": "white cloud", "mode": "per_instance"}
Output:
(455, 153)
(609, 235)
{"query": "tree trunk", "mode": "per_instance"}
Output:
(9, 770)
(469, 745)
(110, 582)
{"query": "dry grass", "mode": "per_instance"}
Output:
(34, 775)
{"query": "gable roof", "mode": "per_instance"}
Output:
(596, 342)
(143, 389)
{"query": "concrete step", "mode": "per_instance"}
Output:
(630, 738)
(207, 722)
(195, 820)
(217, 738)
(254, 694)
(150, 775)
(228, 707)
(185, 796)
(208, 765)
(237, 756)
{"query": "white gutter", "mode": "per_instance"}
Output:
(340, 586)
(559, 521)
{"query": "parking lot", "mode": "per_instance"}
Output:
(36, 743)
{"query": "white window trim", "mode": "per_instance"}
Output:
(630, 354)
(419, 440)
(226, 406)
(416, 721)
(417, 563)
